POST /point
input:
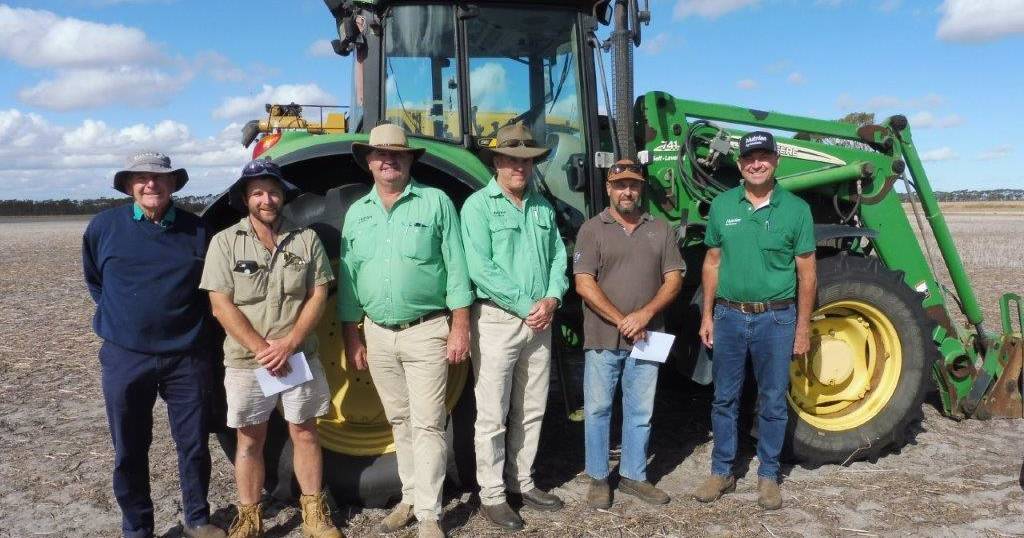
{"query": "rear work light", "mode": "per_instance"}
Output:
(265, 143)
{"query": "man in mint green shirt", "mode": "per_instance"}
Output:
(517, 261)
(403, 271)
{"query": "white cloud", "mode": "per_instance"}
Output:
(250, 107)
(97, 87)
(746, 84)
(39, 159)
(709, 9)
(489, 88)
(657, 44)
(980, 20)
(944, 153)
(796, 78)
(927, 120)
(888, 102)
(36, 38)
(999, 152)
(321, 48)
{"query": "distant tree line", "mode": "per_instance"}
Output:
(22, 208)
(993, 195)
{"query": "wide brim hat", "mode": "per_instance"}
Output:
(513, 141)
(258, 169)
(384, 137)
(149, 162)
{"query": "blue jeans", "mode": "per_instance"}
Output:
(131, 383)
(601, 375)
(768, 339)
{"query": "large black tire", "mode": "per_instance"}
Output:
(867, 280)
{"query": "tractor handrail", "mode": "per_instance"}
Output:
(1004, 313)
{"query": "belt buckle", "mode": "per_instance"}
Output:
(759, 308)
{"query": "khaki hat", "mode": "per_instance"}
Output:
(385, 137)
(625, 169)
(514, 141)
(151, 162)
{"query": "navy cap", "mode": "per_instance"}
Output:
(757, 140)
(258, 168)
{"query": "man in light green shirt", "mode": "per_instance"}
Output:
(517, 261)
(402, 271)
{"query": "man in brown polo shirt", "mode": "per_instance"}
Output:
(627, 269)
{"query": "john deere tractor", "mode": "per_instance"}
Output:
(452, 73)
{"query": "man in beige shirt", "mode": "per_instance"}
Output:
(268, 280)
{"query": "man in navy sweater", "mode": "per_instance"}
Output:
(142, 265)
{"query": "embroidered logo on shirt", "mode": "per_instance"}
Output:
(576, 256)
(732, 222)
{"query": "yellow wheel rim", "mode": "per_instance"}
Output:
(355, 424)
(852, 369)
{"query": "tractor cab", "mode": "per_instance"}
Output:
(456, 73)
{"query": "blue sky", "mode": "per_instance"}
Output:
(84, 82)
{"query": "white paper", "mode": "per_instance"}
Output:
(654, 348)
(300, 373)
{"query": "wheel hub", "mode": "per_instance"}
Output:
(832, 361)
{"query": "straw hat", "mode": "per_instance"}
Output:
(385, 137)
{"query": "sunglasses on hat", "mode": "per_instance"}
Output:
(260, 167)
(516, 142)
(620, 168)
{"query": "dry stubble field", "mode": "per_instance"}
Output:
(956, 479)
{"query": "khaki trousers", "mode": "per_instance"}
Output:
(512, 366)
(410, 371)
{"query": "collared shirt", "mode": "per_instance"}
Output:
(399, 265)
(630, 268)
(515, 255)
(165, 221)
(759, 245)
(268, 287)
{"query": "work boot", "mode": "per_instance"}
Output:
(599, 494)
(541, 500)
(202, 531)
(769, 496)
(715, 487)
(316, 517)
(248, 523)
(643, 490)
(399, 517)
(502, 516)
(430, 528)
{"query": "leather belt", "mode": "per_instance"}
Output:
(403, 326)
(756, 308)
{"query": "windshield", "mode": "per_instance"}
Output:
(421, 88)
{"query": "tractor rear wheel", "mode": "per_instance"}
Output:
(859, 391)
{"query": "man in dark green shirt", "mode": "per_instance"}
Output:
(517, 261)
(760, 241)
(402, 271)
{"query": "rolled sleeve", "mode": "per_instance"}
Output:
(217, 267)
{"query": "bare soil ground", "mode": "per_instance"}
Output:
(956, 479)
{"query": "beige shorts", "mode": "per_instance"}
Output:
(247, 406)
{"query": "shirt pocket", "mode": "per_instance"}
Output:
(420, 241)
(250, 288)
(504, 233)
(776, 249)
(362, 243)
(294, 278)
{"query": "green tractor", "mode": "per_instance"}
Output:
(452, 73)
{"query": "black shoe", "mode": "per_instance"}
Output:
(599, 494)
(502, 516)
(541, 500)
(643, 490)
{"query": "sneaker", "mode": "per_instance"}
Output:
(644, 491)
(714, 487)
(316, 517)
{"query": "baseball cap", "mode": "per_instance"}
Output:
(757, 140)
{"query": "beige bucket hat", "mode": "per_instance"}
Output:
(514, 141)
(385, 137)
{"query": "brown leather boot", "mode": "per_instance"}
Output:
(430, 529)
(769, 496)
(248, 523)
(399, 517)
(643, 490)
(599, 494)
(714, 487)
(316, 517)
